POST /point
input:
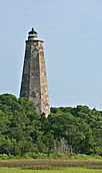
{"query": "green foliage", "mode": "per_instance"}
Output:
(66, 130)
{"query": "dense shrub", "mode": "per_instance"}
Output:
(67, 130)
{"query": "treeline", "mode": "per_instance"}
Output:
(67, 130)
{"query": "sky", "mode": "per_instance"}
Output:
(72, 34)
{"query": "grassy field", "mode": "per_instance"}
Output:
(66, 170)
(50, 164)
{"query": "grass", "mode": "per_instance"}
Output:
(50, 163)
(66, 170)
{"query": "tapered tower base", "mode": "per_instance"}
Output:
(34, 80)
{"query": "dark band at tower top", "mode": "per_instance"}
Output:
(34, 79)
